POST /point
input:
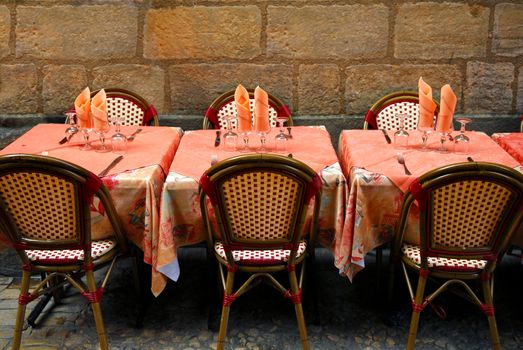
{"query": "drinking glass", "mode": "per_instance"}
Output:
(262, 129)
(462, 141)
(73, 127)
(230, 138)
(280, 140)
(86, 126)
(118, 140)
(100, 128)
(401, 137)
(426, 130)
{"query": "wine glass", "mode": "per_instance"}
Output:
(462, 141)
(401, 137)
(230, 138)
(86, 126)
(101, 126)
(281, 139)
(262, 128)
(73, 127)
(118, 140)
(426, 130)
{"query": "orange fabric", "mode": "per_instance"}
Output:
(512, 143)
(99, 111)
(241, 98)
(357, 145)
(427, 106)
(446, 109)
(261, 110)
(82, 106)
(142, 152)
(310, 145)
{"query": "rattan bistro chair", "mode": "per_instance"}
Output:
(382, 114)
(260, 203)
(468, 213)
(224, 105)
(44, 212)
(134, 108)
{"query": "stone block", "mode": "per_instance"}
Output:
(488, 87)
(519, 108)
(18, 91)
(441, 30)
(319, 89)
(508, 30)
(61, 85)
(146, 81)
(318, 32)
(365, 84)
(195, 86)
(76, 32)
(203, 32)
(5, 29)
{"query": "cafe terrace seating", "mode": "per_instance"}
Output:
(468, 214)
(45, 215)
(382, 114)
(260, 202)
(133, 108)
(224, 105)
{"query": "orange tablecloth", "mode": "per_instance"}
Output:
(512, 143)
(377, 183)
(134, 184)
(180, 216)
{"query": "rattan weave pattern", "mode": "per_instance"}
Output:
(42, 205)
(260, 255)
(457, 207)
(387, 120)
(256, 206)
(230, 109)
(132, 113)
(413, 253)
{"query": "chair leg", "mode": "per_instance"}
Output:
(312, 286)
(214, 292)
(295, 289)
(97, 311)
(229, 284)
(414, 321)
(487, 293)
(20, 314)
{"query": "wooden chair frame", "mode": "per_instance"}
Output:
(212, 115)
(83, 185)
(492, 252)
(211, 187)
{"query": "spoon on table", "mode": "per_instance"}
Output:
(133, 135)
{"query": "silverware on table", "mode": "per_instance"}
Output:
(387, 138)
(110, 166)
(217, 139)
(401, 160)
(133, 135)
(289, 131)
(470, 159)
(67, 138)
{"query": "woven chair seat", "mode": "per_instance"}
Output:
(98, 249)
(260, 256)
(412, 252)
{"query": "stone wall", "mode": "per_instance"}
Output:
(329, 60)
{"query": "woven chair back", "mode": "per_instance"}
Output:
(224, 105)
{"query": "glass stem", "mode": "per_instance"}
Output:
(424, 138)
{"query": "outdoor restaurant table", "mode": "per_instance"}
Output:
(377, 183)
(135, 183)
(512, 143)
(181, 221)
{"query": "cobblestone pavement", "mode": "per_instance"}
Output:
(351, 314)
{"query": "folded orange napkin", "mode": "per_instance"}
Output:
(241, 97)
(447, 106)
(99, 111)
(82, 106)
(427, 106)
(261, 110)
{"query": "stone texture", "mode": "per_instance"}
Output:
(488, 87)
(520, 91)
(61, 85)
(319, 89)
(147, 81)
(327, 31)
(365, 84)
(203, 32)
(508, 30)
(5, 29)
(195, 86)
(76, 32)
(18, 88)
(441, 30)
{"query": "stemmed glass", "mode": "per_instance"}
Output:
(281, 138)
(118, 140)
(86, 126)
(101, 127)
(462, 141)
(262, 128)
(73, 127)
(426, 130)
(230, 138)
(401, 137)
